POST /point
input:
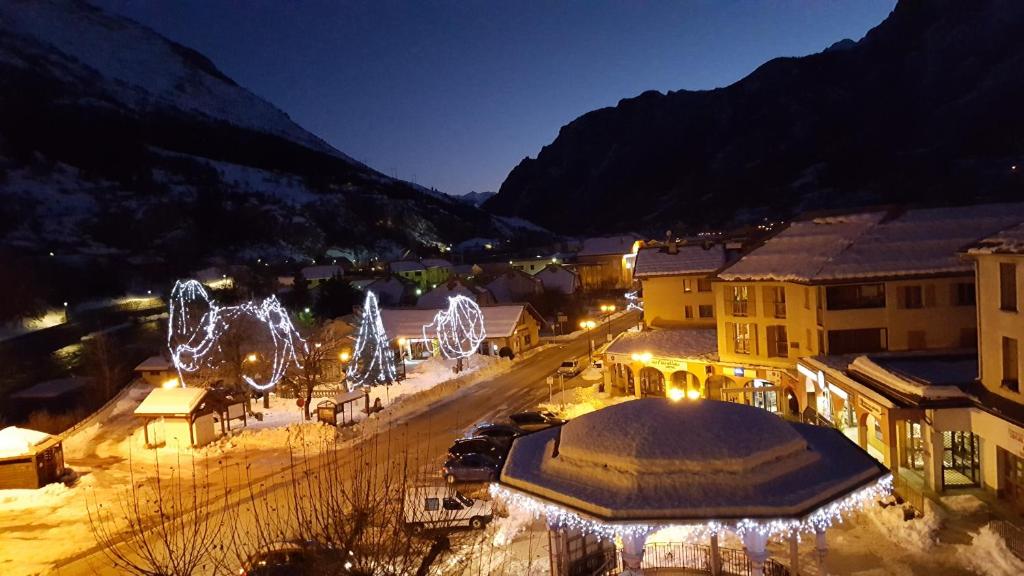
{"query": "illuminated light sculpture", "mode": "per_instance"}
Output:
(633, 301)
(372, 360)
(459, 329)
(196, 324)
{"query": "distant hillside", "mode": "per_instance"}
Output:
(925, 108)
(117, 141)
(476, 198)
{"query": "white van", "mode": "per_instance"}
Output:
(570, 368)
(440, 507)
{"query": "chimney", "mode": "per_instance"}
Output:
(670, 243)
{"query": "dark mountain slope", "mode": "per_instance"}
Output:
(115, 140)
(924, 108)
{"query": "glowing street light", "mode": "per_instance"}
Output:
(693, 394)
(676, 394)
(344, 356)
(588, 325)
(251, 357)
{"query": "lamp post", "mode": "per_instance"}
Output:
(588, 325)
(608, 309)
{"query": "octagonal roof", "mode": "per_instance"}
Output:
(654, 460)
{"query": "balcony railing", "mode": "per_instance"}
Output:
(739, 307)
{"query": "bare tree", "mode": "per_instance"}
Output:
(320, 362)
(164, 526)
(104, 364)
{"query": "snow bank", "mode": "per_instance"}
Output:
(918, 535)
(987, 554)
(579, 401)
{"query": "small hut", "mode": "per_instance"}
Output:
(29, 459)
(156, 370)
(177, 416)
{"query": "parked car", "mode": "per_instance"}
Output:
(502, 434)
(471, 468)
(535, 420)
(295, 559)
(478, 445)
(432, 508)
(570, 368)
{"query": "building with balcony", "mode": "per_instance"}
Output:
(675, 281)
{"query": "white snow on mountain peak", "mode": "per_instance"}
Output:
(138, 67)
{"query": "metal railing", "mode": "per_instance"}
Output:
(697, 558)
(1012, 535)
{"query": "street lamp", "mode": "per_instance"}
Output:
(608, 309)
(588, 325)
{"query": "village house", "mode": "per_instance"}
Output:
(437, 298)
(516, 327)
(607, 263)
(390, 291)
(675, 281)
(559, 278)
(515, 286)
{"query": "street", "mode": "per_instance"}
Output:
(423, 435)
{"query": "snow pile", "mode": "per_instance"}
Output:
(579, 401)
(301, 436)
(49, 496)
(965, 504)
(987, 554)
(591, 374)
(508, 527)
(918, 534)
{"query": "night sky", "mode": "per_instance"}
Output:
(454, 94)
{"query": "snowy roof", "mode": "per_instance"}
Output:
(690, 259)
(438, 297)
(405, 266)
(153, 363)
(513, 285)
(1008, 241)
(654, 460)
(499, 321)
(16, 441)
(874, 244)
(52, 388)
(164, 401)
(436, 263)
(324, 272)
(928, 377)
(607, 245)
(692, 343)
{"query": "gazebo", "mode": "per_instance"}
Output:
(630, 470)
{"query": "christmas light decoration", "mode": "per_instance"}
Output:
(192, 341)
(819, 520)
(373, 362)
(459, 329)
(633, 301)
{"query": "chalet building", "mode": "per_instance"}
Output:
(425, 274)
(437, 298)
(675, 281)
(516, 327)
(559, 278)
(534, 265)
(607, 263)
(515, 286)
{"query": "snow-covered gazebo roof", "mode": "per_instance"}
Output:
(653, 462)
(171, 401)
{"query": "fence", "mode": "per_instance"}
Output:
(1012, 535)
(697, 559)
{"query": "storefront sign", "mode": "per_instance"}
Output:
(870, 406)
(668, 364)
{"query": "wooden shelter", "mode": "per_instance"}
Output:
(29, 459)
(176, 415)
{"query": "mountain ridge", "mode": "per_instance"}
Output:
(919, 110)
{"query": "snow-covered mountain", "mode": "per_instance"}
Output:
(476, 198)
(116, 140)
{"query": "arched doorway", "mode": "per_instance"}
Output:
(623, 378)
(764, 399)
(652, 382)
(686, 381)
(792, 403)
(716, 383)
